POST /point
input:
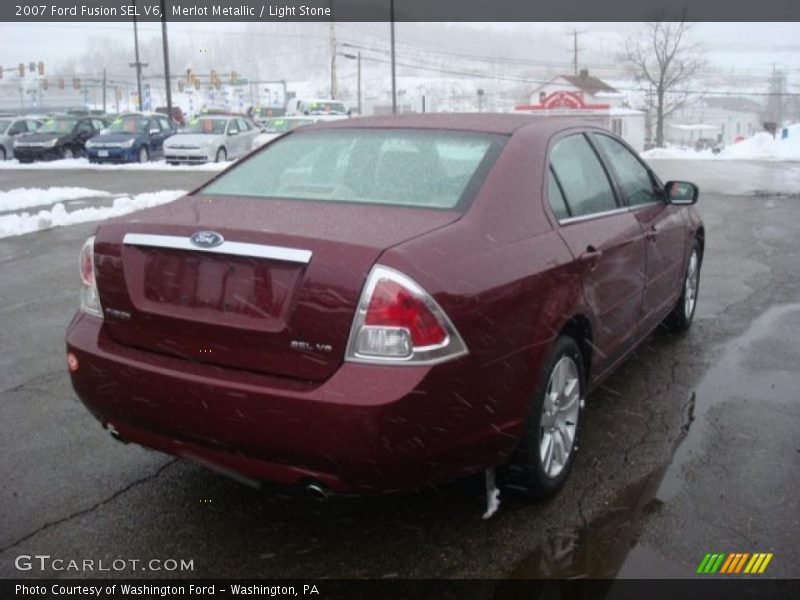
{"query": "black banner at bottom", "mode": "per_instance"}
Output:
(441, 589)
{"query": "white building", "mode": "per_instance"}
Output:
(587, 96)
(724, 125)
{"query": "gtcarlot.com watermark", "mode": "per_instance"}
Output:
(45, 562)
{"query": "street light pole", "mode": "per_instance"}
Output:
(138, 64)
(359, 84)
(165, 44)
(394, 79)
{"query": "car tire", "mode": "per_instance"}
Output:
(538, 467)
(3, 154)
(67, 153)
(143, 155)
(681, 317)
(222, 155)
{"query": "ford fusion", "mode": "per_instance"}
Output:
(378, 304)
(59, 137)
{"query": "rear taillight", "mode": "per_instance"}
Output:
(399, 322)
(90, 299)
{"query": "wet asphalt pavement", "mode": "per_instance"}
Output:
(693, 446)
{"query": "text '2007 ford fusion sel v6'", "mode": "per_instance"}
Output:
(377, 304)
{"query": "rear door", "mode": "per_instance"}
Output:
(662, 224)
(606, 240)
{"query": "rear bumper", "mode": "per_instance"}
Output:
(366, 429)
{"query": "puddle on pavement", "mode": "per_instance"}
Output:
(606, 546)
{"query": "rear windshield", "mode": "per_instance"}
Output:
(57, 126)
(432, 169)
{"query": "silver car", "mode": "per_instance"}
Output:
(10, 127)
(211, 138)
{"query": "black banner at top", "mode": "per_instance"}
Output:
(399, 10)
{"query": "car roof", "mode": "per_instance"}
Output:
(501, 123)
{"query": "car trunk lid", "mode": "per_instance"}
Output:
(277, 296)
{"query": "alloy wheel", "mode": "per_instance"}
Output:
(691, 285)
(559, 419)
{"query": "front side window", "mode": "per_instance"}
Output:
(635, 180)
(431, 169)
(206, 125)
(583, 179)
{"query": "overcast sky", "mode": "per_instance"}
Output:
(740, 45)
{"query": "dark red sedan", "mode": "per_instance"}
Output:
(378, 304)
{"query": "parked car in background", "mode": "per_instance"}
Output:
(275, 127)
(319, 107)
(58, 137)
(377, 305)
(211, 138)
(10, 129)
(262, 114)
(708, 144)
(177, 114)
(133, 138)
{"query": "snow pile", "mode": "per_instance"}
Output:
(763, 147)
(26, 197)
(676, 152)
(19, 224)
(759, 147)
(83, 163)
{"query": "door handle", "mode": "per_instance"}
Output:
(651, 234)
(591, 256)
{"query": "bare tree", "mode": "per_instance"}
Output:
(663, 60)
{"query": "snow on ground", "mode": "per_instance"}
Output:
(26, 197)
(83, 163)
(759, 147)
(57, 216)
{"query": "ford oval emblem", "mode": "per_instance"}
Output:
(207, 239)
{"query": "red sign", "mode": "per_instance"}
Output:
(562, 100)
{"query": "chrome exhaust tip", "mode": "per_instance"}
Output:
(115, 434)
(318, 491)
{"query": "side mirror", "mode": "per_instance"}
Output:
(681, 192)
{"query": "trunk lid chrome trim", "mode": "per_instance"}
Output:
(175, 242)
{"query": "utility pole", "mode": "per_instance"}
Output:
(104, 89)
(394, 78)
(333, 55)
(575, 33)
(359, 83)
(138, 64)
(165, 43)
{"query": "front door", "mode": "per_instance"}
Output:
(607, 242)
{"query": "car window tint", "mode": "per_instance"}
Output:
(165, 126)
(420, 168)
(556, 198)
(18, 127)
(635, 180)
(583, 178)
(33, 125)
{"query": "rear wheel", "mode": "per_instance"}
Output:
(680, 319)
(143, 155)
(2, 153)
(222, 155)
(546, 453)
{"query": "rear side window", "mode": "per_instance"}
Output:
(582, 177)
(556, 198)
(635, 180)
(426, 168)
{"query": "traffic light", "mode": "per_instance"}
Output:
(41, 68)
(234, 77)
(196, 83)
(180, 85)
(189, 76)
(22, 69)
(76, 83)
(32, 66)
(1, 72)
(61, 84)
(45, 85)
